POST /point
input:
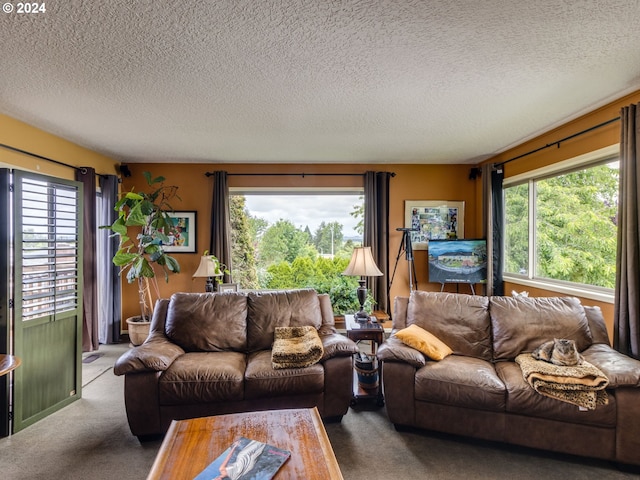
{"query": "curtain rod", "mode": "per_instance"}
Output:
(209, 174)
(558, 142)
(83, 170)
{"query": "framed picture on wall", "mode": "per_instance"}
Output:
(227, 287)
(433, 219)
(182, 235)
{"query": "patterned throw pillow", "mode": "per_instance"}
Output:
(296, 347)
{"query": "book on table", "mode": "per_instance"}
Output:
(246, 459)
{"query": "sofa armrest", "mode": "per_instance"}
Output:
(157, 353)
(336, 345)
(621, 370)
(393, 350)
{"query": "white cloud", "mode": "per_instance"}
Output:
(306, 210)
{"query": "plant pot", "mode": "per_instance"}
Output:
(138, 330)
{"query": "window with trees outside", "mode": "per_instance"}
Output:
(297, 240)
(562, 226)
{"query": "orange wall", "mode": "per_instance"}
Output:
(25, 137)
(589, 142)
(412, 182)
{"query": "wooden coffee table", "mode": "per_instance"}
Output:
(191, 445)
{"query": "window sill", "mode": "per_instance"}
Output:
(599, 294)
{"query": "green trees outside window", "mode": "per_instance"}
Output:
(283, 256)
(575, 226)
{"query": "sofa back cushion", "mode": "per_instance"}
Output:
(268, 310)
(400, 307)
(208, 322)
(328, 320)
(460, 321)
(522, 324)
(597, 326)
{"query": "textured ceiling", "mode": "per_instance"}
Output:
(393, 81)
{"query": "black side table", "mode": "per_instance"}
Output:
(372, 331)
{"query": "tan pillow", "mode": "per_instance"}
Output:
(423, 341)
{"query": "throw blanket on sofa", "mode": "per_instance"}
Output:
(582, 385)
(296, 347)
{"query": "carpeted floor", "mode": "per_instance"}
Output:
(90, 439)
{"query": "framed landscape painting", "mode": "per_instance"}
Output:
(182, 235)
(433, 219)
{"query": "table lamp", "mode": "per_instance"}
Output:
(362, 265)
(209, 268)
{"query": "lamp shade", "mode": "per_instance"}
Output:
(362, 264)
(208, 267)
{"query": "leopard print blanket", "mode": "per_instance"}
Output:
(582, 385)
(296, 347)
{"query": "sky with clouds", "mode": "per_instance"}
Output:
(306, 210)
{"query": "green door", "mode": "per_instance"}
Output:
(47, 301)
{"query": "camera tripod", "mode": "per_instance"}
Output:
(407, 249)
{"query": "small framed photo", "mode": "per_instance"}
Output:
(227, 287)
(182, 235)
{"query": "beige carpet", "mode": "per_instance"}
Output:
(90, 440)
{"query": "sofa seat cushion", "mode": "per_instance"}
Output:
(460, 321)
(522, 324)
(201, 377)
(622, 371)
(262, 380)
(462, 382)
(524, 400)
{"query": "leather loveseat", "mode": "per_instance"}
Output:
(480, 391)
(210, 354)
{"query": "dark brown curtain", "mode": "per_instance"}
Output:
(108, 274)
(376, 233)
(493, 226)
(627, 295)
(220, 221)
(87, 176)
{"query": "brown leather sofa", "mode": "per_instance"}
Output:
(210, 354)
(480, 392)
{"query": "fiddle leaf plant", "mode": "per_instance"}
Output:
(143, 219)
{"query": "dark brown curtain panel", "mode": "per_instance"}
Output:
(627, 295)
(376, 233)
(108, 274)
(87, 176)
(220, 221)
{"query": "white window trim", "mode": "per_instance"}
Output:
(605, 295)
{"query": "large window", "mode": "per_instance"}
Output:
(284, 240)
(562, 226)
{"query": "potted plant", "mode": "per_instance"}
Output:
(142, 225)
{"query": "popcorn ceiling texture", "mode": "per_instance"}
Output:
(450, 81)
